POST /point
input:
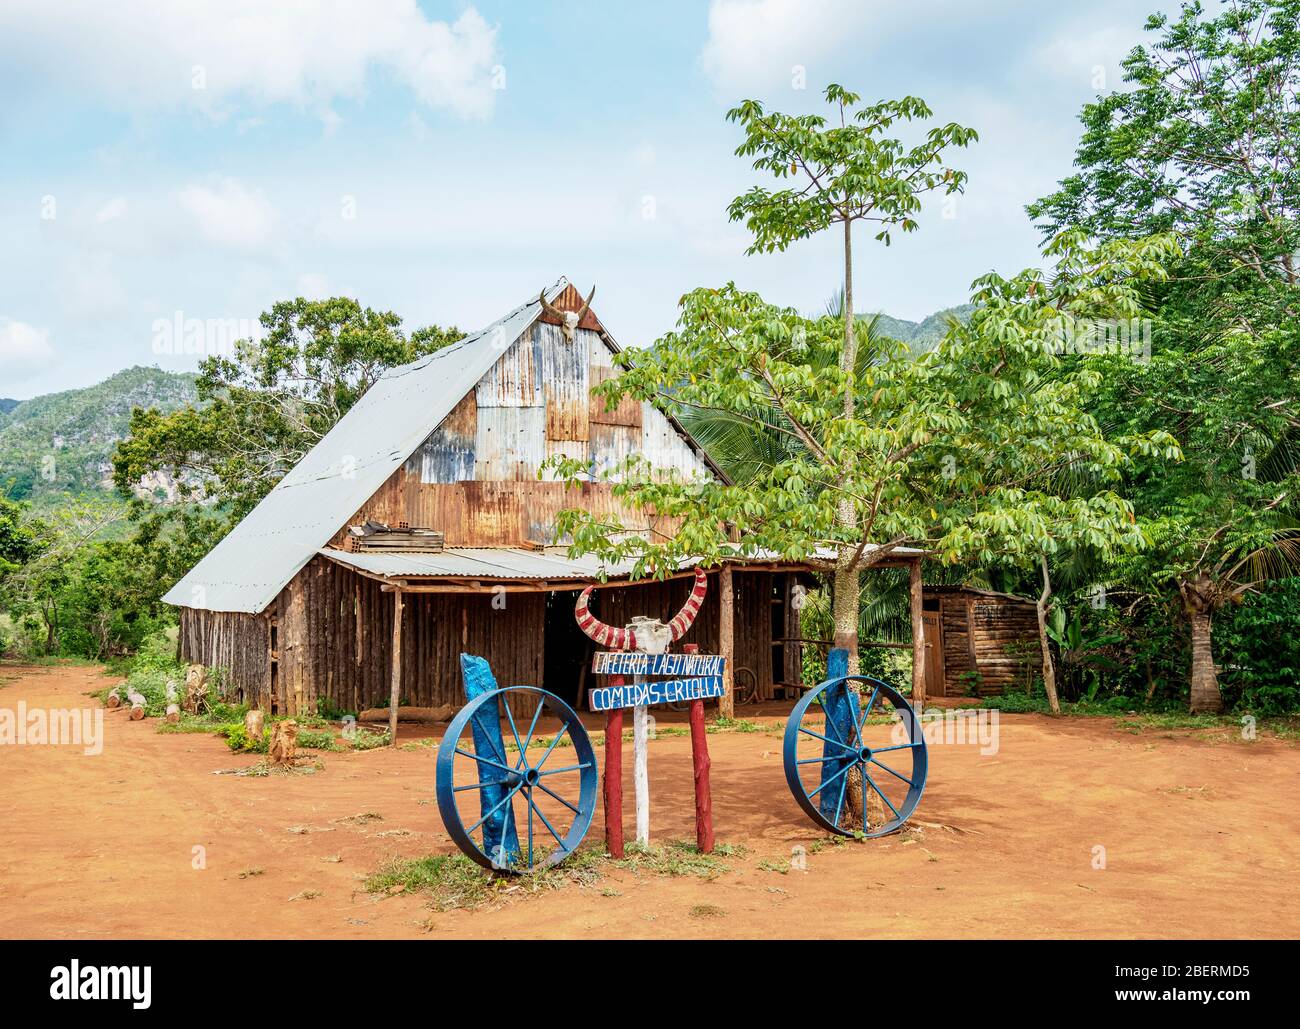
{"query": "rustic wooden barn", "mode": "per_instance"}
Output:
(300, 613)
(977, 642)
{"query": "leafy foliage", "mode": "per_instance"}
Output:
(260, 410)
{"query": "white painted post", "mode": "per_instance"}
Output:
(640, 770)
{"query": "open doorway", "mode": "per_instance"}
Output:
(566, 662)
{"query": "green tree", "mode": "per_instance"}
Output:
(1204, 143)
(957, 451)
(842, 173)
(265, 406)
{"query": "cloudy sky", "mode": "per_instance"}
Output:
(201, 159)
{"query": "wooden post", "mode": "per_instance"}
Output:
(700, 762)
(918, 638)
(395, 693)
(727, 643)
(614, 777)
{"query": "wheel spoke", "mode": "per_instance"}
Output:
(513, 731)
(528, 740)
(497, 807)
(839, 806)
(836, 743)
(867, 713)
(551, 793)
(551, 746)
(480, 785)
(486, 761)
(570, 768)
(547, 823)
(827, 782)
(892, 772)
(898, 746)
(881, 792)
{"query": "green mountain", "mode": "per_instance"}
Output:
(7, 405)
(925, 334)
(61, 443)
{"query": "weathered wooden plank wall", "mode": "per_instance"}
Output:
(977, 632)
(239, 644)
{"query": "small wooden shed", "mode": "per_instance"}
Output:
(978, 642)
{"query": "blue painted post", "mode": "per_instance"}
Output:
(500, 840)
(841, 705)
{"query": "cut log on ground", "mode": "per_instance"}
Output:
(442, 713)
(284, 743)
(137, 703)
(173, 708)
(114, 698)
(254, 724)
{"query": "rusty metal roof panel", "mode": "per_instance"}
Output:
(256, 560)
(480, 563)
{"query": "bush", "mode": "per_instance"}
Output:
(1257, 649)
(238, 740)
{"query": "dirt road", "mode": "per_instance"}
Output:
(1201, 838)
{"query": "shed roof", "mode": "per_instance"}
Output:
(258, 557)
(554, 565)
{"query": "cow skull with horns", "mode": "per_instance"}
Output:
(568, 319)
(646, 635)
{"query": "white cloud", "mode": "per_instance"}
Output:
(24, 350)
(756, 43)
(111, 211)
(229, 213)
(214, 54)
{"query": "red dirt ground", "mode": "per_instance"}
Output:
(1201, 830)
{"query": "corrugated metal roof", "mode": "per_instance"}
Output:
(256, 560)
(481, 563)
(510, 563)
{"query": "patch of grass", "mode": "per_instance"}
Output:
(364, 818)
(677, 858)
(370, 739)
(772, 865)
(249, 873)
(707, 911)
(735, 725)
(454, 881)
(318, 739)
(306, 895)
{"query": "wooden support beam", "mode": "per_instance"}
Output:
(918, 639)
(395, 692)
(700, 765)
(727, 643)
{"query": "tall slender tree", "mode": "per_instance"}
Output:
(844, 171)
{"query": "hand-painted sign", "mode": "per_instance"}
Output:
(632, 663)
(663, 691)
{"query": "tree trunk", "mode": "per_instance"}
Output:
(1049, 667)
(847, 590)
(1198, 601)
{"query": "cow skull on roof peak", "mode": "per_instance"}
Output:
(568, 319)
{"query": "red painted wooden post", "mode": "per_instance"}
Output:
(614, 777)
(701, 763)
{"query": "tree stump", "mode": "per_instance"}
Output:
(196, 689)
(254, 723)
(284, 743)
(173, 708)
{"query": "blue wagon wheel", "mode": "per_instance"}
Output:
(843, 748)
(511, 799)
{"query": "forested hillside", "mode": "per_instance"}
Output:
(62, 443)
